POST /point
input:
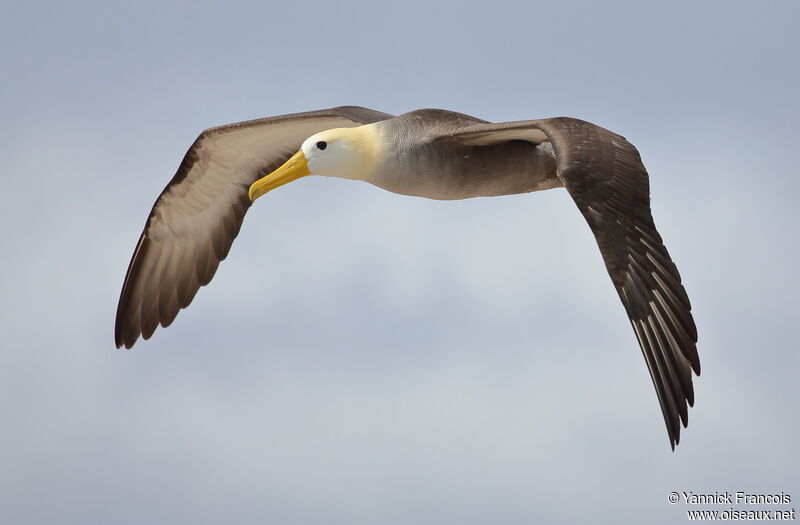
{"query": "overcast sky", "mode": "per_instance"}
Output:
(364, 357)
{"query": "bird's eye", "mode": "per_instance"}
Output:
(322, 144)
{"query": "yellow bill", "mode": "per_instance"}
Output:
(292, 169)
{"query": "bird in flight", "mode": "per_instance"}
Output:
(429, 153)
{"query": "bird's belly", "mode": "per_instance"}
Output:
(467, 172)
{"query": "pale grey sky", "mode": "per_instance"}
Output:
(364, 357)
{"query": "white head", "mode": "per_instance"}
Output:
(347, 153)
(341, 152)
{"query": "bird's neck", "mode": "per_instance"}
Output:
(366, 149)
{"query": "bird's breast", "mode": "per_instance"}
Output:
(439, 170)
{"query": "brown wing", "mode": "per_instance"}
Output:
(198, 215)
(604, 175)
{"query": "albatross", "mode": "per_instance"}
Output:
(429, 153)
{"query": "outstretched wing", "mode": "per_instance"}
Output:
(198, 215)
(604, 175)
